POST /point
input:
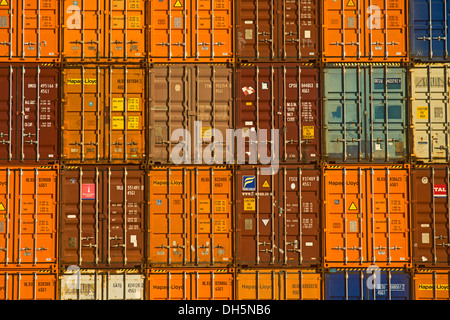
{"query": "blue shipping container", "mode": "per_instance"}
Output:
(429, 30)
(367, 284)
(365, 114)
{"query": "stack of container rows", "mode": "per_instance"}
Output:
(114, 124)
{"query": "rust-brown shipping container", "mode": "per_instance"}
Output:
(283, 97)
(28, 217)
(26, 284)
(277, 30)
(278, 216)
(103, 114)
(195, 98)
(101, 284)
(101, 31)
(190, 284)
(364, 31)
(190, 218)
(366, 216)
(102, 216)
(431, 284)
(278, 284)
(191, 31)
(29, 31)
(29, 113)
(430, 215)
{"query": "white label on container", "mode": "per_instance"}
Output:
(425, 238)
(71, 216)
(424, 180)
(425, 225)
(378, 146)
(133, 240)
(309, 244)
(248, 22)
(292, 186)
(307, 34)
(248, 123)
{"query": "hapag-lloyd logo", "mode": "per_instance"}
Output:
(253, 144)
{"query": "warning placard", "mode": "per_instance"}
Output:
(178, 4)
(249, 204)
(351, 3)
(88, 191)
(266, 184)
(2, 206)
(353, 206)
(308, 132)
(3, 3)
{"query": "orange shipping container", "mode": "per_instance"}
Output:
(29, 31)
(183, 30)
(366, 214)
(432, 284)
(28, 285)
(190, 221)
(190, 284)
(103, 114)
(104, 30)
(361, 31)
(28, 202)
(287, 284)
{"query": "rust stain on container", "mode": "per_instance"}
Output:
(29, 113)
(190, 284)
(183, 31)
(28, 217)
(283, 97)
(364, 31)
(366, 216)
(430, 215)
(190, 219)
(102, 216)
(278, 284)
(278, 216)
(196, 98)
(30, 31)
(103, 114)
(28, 285)
(277, 30)
(96, 31)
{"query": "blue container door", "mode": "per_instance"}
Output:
(344, 286)
(391, 286)
(429, 29)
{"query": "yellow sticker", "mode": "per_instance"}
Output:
(117, 104)
(308, 132)
(133, 104)
(351, 3)
(117, 123)
(248, 104)
(353, 206)
(4, 3)
(205, 133)
(266, 184)
(422, 113)
(2, 207)
(133, 123)
(249, 204)
(178, 4)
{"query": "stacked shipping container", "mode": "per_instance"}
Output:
(118, 180)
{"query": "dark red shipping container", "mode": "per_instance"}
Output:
(430, 215)
(284, 97)
(102, 216)
(278, 216)
(29, 113)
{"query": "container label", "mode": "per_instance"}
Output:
(117, 104)
(133, 123)
(248, 90)
(308, 132)
(440, 191)
(88, 191)
(432, 287)
(78, 81)
(422, 113)
(249, 183)
(249, 204)
(117, 123)
(392, 83)
(133, 104)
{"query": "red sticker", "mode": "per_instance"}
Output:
(88, 191)
(440, 191)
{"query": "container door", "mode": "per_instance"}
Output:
(432, 285)
(345, 285)
(212, 285)
(8, 118)
(389, 285)
(28, 286)
(7, 27)
(7, 217)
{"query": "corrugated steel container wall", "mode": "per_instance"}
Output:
(430, 113)
(367, 284)
(190, 220)
(102, 30)
(278, 217)
(179, 96)
(103, 114)
(428, 30)
(183, 31)
(430, 187)
(102, 217)
(190, 284)
(364, 114)
(366, 219)
(26, 284)
(431, 284)
(277, 30)
(284, 97)
(28, 220)
(365, 31)
(278, 284)
(29, 113)
(30, 31)
(111, 284)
